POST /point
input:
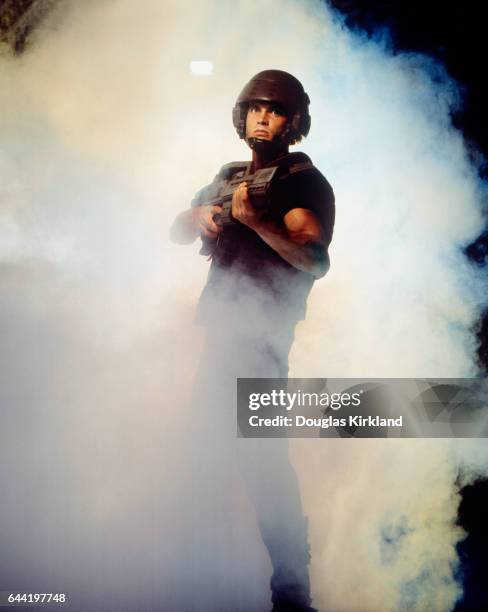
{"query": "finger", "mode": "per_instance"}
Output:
(211, 222)
(211, 226)
(243, 193)
(214, 227)
(237, 208)
(206, 223)
(236, 203)
(209, 233)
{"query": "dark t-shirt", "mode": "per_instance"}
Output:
(243, 265)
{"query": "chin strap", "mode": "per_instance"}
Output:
(266, 148)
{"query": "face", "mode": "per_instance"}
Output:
(265, 120)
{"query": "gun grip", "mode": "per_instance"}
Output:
(217, 218)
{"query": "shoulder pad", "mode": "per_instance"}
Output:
(301, 166)
(297, 157)
(295, 162)
(232, 168)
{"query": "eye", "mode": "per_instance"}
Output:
(277, 110)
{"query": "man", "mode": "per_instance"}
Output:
(265, 260)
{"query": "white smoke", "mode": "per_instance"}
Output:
(106, 136)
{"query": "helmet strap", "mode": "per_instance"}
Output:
(268, 149)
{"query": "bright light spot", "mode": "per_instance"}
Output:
(201, 68)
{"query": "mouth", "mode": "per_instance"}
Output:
(260, 133)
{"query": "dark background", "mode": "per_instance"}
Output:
(456, 35)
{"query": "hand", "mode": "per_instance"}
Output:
(204, 222)
(242, 208)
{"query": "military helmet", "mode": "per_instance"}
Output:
(275, 86)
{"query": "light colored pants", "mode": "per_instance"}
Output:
(231, 352)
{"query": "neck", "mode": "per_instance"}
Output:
(262, 158)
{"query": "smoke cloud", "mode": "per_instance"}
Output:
(106, 136)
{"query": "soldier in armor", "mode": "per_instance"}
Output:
(266, 252)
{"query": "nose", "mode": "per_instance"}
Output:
(263, 118)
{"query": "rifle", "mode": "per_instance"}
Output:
(220, 192)
(259, 184)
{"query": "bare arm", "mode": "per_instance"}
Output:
(301, 242)
(193, 222)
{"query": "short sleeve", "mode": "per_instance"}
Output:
(308, 189)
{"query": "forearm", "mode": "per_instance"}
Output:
(300, 249)
(184, 229)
